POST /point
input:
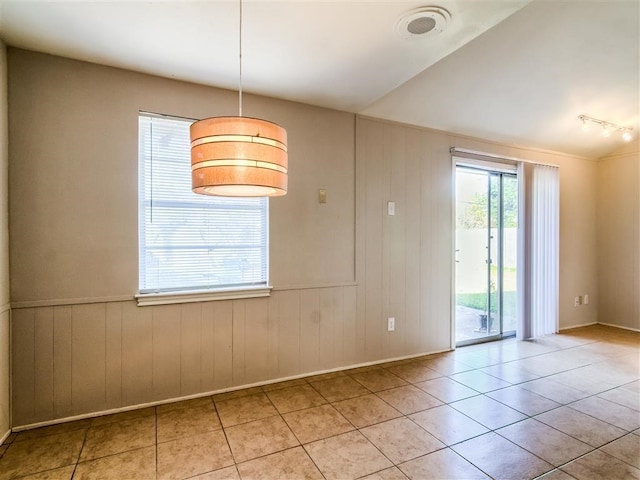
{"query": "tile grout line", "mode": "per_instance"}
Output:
(155, 417)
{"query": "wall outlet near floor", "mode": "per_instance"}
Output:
(577, 301)
(391, 324)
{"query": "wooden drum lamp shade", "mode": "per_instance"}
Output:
(238, 157)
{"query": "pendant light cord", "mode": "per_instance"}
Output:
(240, 57)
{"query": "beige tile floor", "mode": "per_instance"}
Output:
(561, 407)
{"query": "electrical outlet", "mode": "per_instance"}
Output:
(391, 324)
(576, 302)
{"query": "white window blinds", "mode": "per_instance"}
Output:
(192, 242)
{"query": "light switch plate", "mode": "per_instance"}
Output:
(391, 208)
(322, 195)
(391, 324)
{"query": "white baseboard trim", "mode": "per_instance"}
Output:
(571, 327)
(5, 436)
(599, 323)
(619, 326)
(84, 416)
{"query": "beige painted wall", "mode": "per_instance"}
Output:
(80, 342)
(410, 253)
(5, 420)
(76, 359)
(76, 238)
(619, 237)
(404, 261)
(73, 179)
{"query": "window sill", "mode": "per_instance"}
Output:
(148, 299)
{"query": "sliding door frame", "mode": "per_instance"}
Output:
(492, 172)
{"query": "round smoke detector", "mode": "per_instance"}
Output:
(422, 22)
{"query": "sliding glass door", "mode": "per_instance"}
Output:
(486, 254)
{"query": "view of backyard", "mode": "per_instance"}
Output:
(477, 239)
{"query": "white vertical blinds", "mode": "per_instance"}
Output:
(539, 251)
(544, 250)
(192, 242)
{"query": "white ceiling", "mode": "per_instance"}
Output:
(515, 71)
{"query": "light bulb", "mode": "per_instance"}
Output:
(585, 126)
(626, 136)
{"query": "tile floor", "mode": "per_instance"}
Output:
(564, 406)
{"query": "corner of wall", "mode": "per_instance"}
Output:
(5, 313)
(618, 237)
(629, 148)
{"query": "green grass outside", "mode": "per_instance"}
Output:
(478, 301)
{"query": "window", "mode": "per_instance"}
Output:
(192, 243)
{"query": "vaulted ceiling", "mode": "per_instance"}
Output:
(514, 71)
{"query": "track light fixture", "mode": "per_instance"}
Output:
(607, 127)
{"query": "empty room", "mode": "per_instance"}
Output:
(278, 239)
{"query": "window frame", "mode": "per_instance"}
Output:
(193, 293)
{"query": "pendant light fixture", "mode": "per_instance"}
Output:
(238, 156)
